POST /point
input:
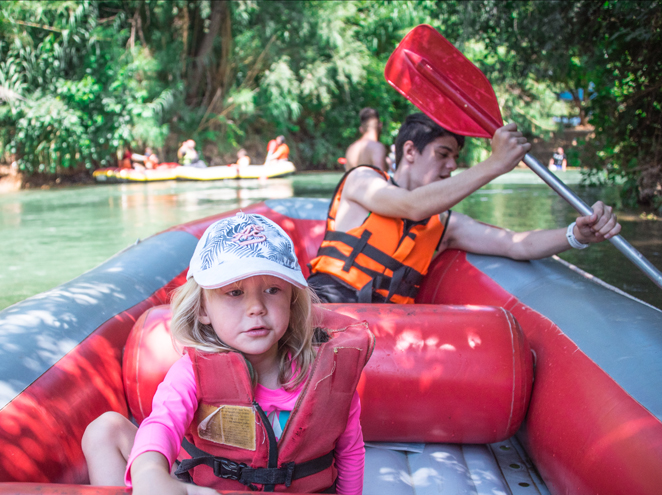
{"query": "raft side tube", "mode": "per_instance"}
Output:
(438, 373)
(61, 356)
(593, 424)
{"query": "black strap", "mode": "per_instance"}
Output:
(403, 283)
(273, 450)
(396, 282)
(410, 278)
(365, 294)
(246, 475)
(334, 252)
(358, 248)
(368, 250)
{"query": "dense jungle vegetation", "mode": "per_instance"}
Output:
(82, 80)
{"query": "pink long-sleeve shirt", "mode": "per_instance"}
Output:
(175, 404)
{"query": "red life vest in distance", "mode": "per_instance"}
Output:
(230, 426)
(384, 259)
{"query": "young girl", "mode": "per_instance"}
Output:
(261, 402)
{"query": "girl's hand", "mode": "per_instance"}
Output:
(601, 225)
(149, 473)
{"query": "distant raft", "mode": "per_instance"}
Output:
(172, 171)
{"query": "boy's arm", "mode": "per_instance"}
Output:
(368, 189)
(469, 235)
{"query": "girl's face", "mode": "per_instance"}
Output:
(251, 315)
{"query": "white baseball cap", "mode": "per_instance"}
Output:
(242, 246)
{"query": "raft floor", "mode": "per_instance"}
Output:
(424, 469)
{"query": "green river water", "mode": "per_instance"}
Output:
(48, 237)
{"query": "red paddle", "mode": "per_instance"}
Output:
(434, 75)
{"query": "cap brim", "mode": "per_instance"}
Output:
(228, 273)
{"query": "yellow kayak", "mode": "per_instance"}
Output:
(278, 168)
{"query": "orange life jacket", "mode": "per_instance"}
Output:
(282, 152)
(384, 259)
(237, 447)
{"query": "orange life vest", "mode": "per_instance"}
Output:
(384, 259)
(281, 153)
(235, 447)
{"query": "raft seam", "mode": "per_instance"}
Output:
(512, 347)
(142, 333)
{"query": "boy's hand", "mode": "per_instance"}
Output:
(508, 147)
(601, 225)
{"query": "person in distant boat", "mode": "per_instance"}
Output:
(147, 161)
(242, 158)
(277, 149)
(126, 158)
(382, 233)
(558, 161)
(188, 156)
(151, 160)
(367, 150)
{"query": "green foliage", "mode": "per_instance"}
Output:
(82, 95)
(80, 81)
(627, 111)
(609, 49)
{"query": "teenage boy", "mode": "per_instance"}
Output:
(382, 232)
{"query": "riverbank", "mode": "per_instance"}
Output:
(11, 180)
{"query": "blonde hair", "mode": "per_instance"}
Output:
(295, 349)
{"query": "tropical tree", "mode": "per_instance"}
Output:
(80, 81)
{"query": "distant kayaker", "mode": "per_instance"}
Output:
(245, 392)
(151, 160)
(382, 233)
(242, 158)
(188, 156)
(558, 161)
(146, 161)
(126, 158)
(367, 150)
(277, 149)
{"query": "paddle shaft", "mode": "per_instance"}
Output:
(479, 115)
(578, 204)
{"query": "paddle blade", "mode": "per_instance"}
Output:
(434, 75)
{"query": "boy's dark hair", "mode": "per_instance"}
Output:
(421, 130)
(367, 114)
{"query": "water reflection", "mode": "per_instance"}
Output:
(51, 236)
(535, 206)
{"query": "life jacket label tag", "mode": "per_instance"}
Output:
(227, 425)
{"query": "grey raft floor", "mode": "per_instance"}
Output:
(501, 468)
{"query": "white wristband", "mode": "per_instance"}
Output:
(572, 240)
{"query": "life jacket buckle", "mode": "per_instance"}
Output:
(225, 468)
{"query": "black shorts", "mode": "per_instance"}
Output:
(330, 290)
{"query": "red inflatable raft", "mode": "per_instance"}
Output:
(506, 377)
